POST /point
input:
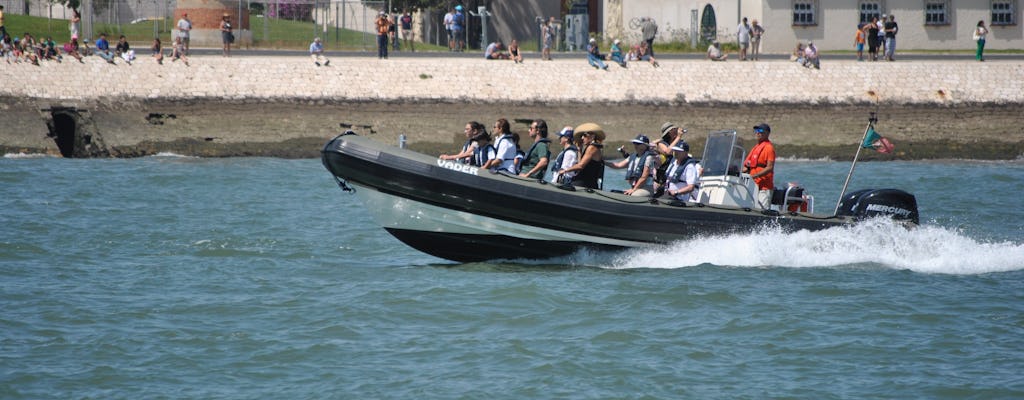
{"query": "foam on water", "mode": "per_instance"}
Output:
(927, 249)
(170, 154)
(25, 155)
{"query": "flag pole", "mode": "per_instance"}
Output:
(871, 123)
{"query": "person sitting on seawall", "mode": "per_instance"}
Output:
(513, 52)
(798, 54)
(504, 159)
(760, 164)
(590, 168)
(566, 158)
(103, 48)
(616, 53)
(465, 156)
(646, 54)
(715, 52)
(316, 52)
(640, 167)
(683, 174)
(594, 56)
(535, 163)
(811, 56)
(484, 151)
(493, 52)
(124, 50)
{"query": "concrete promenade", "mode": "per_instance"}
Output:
(561, 81)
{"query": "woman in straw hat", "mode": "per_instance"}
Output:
(225, 33)
(590, 168)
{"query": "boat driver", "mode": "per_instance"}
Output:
(760, 164)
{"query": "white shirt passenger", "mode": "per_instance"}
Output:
(507, 153)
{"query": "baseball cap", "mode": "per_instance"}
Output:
(641, 139)
(681, 146)
(458, 8)
(762, 127)
(565, 133)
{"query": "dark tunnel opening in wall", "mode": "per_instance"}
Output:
(64, 128)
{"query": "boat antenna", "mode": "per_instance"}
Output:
(871, 124)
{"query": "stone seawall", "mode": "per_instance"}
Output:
(564, 80)
(286, 105)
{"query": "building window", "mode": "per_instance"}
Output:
(935, 13)
(1004, 12)
(869, 10)
(804, 13)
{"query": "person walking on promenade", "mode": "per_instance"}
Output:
(891, 28)
(75, 22)
(979, 36)
(858, 42)
(743, 37)
(448, 18)
(458, 25)
(547, 32)
(871, 31)
(184, 30)
(407, 34)
(226, 36)
(756, 30)
(649, 28)
(383, 28)
(3, 28)
(316, 51)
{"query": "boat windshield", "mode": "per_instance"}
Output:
(721, 154)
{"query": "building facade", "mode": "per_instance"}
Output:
(831, 24)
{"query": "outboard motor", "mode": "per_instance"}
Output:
(866, 203)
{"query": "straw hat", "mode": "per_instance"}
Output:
(591, 128)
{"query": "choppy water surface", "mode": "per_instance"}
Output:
(257, 278)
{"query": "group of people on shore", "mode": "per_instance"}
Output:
(663, 167)
(31, 50)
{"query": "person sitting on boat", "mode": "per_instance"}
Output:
(566, 158)
(590, 168)
(535, 163)
(484, 152)
(760, 164)
(683, 174)
(670, 135)
(465, 156)
(640, 167)
(505, 157)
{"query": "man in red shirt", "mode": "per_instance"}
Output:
(760, 164)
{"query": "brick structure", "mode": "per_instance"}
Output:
(206, 17)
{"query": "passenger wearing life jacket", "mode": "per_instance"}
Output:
(465, 156)
(670, 136)
(640, 167)
(566, 158)
(535, 163)
(484, 152)
(590, 168)
(683, 174)
(505, 144)
(760, 164)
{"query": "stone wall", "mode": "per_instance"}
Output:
(562, 81)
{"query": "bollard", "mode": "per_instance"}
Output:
(401, 141)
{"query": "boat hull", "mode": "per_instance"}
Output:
(463, 213)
